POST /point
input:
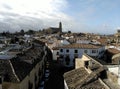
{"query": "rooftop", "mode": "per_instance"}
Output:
(16, 69)
(81, 79)
(113, 51)
(75, 77)
(87, 46)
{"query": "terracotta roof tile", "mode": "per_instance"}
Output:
(82, 46)
(81, 79)
(102, 41)
(113, 51)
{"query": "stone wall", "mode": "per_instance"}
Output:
(79, 63)
(112, 77)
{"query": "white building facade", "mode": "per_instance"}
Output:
(68, 53)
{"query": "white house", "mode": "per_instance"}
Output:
(55, 52)
(83, 41)
(114, 73)
(68, 53)
(64, 42)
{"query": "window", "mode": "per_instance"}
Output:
(61, 50)
(67, 60)
(0, 80)
(86, 64)
(67, 50)
(57, 53)
(61, 56)
(75, 55)
(76, 51)
(85, 51)
(93, 51)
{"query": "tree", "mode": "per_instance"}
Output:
(14, 40)
(22, 32)
(69, 32)
(3, 33)
(30, 32)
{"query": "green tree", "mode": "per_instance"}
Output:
(22, 32)
(30, 32)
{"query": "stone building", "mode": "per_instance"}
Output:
(52, 30)
(25, 70)
(68, 53)
(87, 75)
(112, 56)
(117, 35)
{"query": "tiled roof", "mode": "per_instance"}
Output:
(94, 85)
(82, 46)
(55, 48)
(113, 51)
(21, 68)
(6, 71)
(16, 69)
(74, 77)
(39, 42)
(81, 79)
(102, 41)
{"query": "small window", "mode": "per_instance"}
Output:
(0, 80)
(61, 50)
(61, 56)
(93, 51)
(67, 50)
(57, 53)
(85, 51)
(86, 64)
(76, 51)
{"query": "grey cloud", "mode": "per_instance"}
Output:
(22, 22)
(7, 7)
(8, 14)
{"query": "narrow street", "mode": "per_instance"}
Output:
(45, 77)
(55, 79)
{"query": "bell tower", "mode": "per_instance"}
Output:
(60, 26)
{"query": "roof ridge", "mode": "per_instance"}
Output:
(13, 71)
(91, 76)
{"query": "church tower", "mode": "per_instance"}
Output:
(60, 26)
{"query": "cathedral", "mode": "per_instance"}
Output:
(52, 30)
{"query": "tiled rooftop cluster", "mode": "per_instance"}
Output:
(87, 46)
(86, 77)
(81, 79)
(74, 77)
(17, 68)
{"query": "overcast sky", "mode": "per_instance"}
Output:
(95, 16)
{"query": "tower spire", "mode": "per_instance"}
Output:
(60, 26)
